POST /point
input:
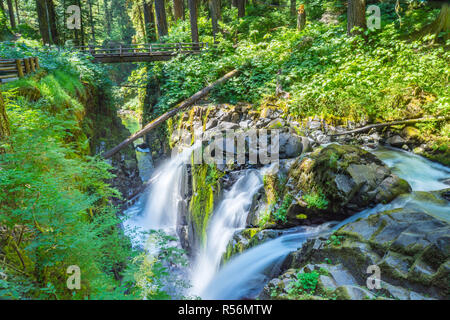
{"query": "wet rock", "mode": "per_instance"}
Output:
(276, 123)
(223, 126)
(211, 124)
(410, 247)
(396, 141)
(248, 238)
(338, 180)
(291, 145)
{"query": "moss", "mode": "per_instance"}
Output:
(205, 188)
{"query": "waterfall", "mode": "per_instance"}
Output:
(230, 215)
(158, 208)
(245, 275)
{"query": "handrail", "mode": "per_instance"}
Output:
(12, 69)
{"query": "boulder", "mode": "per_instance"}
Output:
(337, 181)
(410, 247)
(396, 141)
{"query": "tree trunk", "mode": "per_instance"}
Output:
(441, 24)
(17, 11)
(356, 16)
(193, 19)
(178, 9)
(161, 19)
(12, 19)
(43, 21)
(241, 8)
(91, 21)
(52, 22)
(293, 7)
(2, 7)
(214, 8)
(81, 23)
(301, 18)
(149, 20)
(107, 18)
(4, 123)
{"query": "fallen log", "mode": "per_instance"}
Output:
(388, 124)
(183, 105)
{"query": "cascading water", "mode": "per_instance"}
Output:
(422, 174)
(158, 208)
(246, 274)
(230, 215)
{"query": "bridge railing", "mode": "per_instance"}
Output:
(12, 69)
(144, 49)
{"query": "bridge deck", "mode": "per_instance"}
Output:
(142, 52)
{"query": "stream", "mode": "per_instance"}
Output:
(245, 275)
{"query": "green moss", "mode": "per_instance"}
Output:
(205, 187)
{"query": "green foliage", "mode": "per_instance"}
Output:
(316, 200)
(280, 214)
(306, 283)
(149, 273)
(54, 199)
(27, 32)
(335, 240)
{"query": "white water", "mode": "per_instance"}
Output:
(245, 275)
(229, 216)
(422, 174)
(161, 199)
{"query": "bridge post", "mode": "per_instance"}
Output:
(120, 50)
(19, 68)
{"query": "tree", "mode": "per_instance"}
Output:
(241, 8)
(12, 19)
(17, 11)
(214, 6)
(178, 9)
(149, 20)
(356, 15)
(441, 24)
(91, 21)
(47, 21)
(293, 7)
(193, 19)
(161, 19)
(301, 18)
(4, 123)
(108, 18)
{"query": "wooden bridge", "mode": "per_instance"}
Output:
(142, 52)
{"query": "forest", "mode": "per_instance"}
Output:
(105, 106)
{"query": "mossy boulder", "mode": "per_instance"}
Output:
(337, 181)
(410, 247)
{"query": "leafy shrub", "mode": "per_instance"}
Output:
(316, 200)
(280, 214)
(306, 283)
